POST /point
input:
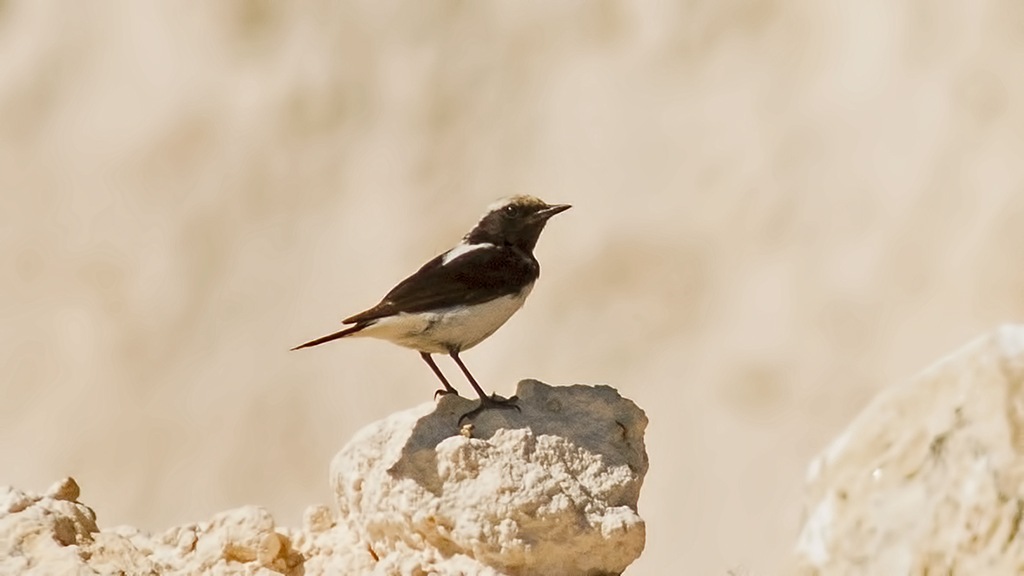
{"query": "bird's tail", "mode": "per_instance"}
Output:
(335, 336)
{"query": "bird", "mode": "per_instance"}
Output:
(462, 296)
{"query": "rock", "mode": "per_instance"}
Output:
(116, 552)
(66, 489)
(47, 535)
(317, 519)
(929, 479)
(332, 551)
(549, 489)
(44, 534)
(244, 535)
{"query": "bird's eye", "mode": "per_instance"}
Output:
(511, 211)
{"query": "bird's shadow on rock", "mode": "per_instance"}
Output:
(595, 418)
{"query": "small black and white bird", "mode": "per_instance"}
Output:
(461, 297)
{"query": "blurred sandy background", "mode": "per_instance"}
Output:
(780, 207)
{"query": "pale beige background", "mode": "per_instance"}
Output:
(780, 208)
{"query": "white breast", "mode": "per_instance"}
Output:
(440, 331)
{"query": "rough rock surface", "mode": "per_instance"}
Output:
(52, 529)
(56, 534)
(550, 489)
(929, 479)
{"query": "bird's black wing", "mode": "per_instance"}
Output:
(479, 275)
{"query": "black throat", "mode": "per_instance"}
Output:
(491, 231)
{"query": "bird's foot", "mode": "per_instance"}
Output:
(491, 402)
(444, 392)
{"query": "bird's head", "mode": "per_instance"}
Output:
(516, 221)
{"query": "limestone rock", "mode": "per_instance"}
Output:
(550, 489)
(929, 479)
(329, 547)
(54, 527)
(55, 534)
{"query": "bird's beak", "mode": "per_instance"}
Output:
(550, 211)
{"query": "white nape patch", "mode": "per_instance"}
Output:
(439, 331)
(499, 204)
(463, 249)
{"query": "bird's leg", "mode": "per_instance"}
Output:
(448, 388)
(485, 400)
(472, 381)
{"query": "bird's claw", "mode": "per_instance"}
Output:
(444, 392)
(493, 401)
